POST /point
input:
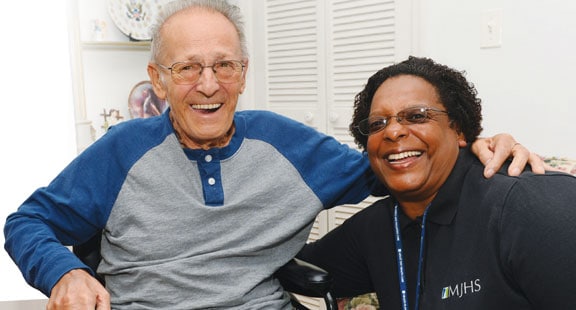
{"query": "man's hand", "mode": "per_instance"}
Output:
(494, 151)
(77, 289)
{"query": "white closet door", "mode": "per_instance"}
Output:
(361, 40)
(294, 60)
(319, 55)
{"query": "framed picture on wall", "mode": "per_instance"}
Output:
(143, 102)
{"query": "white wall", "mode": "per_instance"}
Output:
(37, 129)
(527, 84)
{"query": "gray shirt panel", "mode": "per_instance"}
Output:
(163, 239)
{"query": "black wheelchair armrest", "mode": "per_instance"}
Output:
(302, 278)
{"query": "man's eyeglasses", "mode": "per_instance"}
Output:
(416, 115)
(225, 71)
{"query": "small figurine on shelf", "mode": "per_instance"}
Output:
(111, 118)
(99, 30)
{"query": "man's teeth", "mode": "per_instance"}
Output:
(206, 106)
(403, 155)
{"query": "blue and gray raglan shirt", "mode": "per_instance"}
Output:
(183, 228)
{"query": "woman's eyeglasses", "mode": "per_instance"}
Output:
(415, 115)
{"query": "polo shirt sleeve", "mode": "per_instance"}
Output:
(538, 239)
(348, 251)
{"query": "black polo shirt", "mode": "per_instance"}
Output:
(499, 243)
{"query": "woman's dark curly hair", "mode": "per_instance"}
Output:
(455, 93)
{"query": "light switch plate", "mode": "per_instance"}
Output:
(491, 29)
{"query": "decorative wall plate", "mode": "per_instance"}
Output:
(134, 18)
(143, 102)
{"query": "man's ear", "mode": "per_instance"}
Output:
(243, 87)
(156, 80)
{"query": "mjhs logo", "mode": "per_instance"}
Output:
(461, 289)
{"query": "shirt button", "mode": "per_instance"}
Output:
(208, 158)
(211, 181)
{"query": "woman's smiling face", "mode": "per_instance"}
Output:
(412, 160)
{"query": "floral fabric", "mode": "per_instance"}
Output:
(563, 164)
(362, 302)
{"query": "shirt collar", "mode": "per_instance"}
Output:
(444, 206)
(223, 152)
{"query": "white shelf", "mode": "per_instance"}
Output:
(112, 45)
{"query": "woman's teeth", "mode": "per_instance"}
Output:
(403, 155)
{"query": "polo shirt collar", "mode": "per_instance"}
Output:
(227, 151)
(444, 206)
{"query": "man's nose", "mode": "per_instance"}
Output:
(207, 82)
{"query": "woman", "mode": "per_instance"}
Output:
(447, 238)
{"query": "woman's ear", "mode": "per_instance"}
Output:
(462, 140)
(156, 80)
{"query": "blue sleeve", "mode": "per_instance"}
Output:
(337, 173)
(71, 209)
(66, 212)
